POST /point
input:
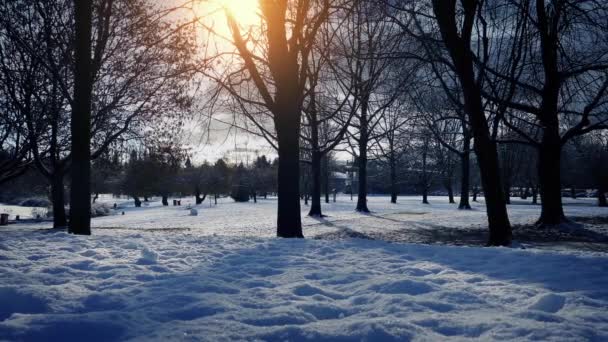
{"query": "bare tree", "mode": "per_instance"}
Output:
(267, 75)
(555, 80)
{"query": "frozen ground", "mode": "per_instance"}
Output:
(221, 276)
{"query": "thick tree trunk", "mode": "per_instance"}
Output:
(315, 207)
(464, 181)
(58, 201)
(165, 200)
(289, 222)
(80, 189)
(549, 154)
(137, 201)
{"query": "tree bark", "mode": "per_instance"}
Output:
(394, 190)
(137, 202)
(165, 200)
(549, 175)
(80, 193)
(58, 201)
(363, 140)
(289, 222)
(315, 207)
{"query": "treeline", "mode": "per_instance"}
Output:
(165, 174)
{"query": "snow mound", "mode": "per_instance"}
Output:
(549, 303)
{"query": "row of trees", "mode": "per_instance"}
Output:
(445, 82)
(78, 78)
(472, 75)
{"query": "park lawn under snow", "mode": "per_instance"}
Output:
(227, 279)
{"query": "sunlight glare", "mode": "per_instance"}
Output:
(244, 11)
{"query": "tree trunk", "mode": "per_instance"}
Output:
(425, 188)
(58, 201)
(80, 189)
(507, 191)
(464, 181)
(500, 227)
(95, 197)
(363, 139)
(215, 199)
(289, 222)
(601, 198)
(327, 173)
(459, 48)
(197, 196)
(137, 201)
(315, 207)
(573, 192)
(448, 186)
(165, 200)
(534, 195)
(549, 154)
(394, 190)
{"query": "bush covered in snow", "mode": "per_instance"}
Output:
(100, 209)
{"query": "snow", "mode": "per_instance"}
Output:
(160, 274)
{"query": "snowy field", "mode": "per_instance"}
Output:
(157, 273)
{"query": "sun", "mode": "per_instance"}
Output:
(244, 11)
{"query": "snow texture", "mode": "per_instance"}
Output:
(157, 283)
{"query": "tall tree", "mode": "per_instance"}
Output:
(267, 76)
(456, 25)
(80, 193)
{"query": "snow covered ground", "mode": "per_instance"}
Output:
(221, 276)
(259, 219)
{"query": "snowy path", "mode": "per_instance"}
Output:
(158, 286)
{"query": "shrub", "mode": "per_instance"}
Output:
(240, 193)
